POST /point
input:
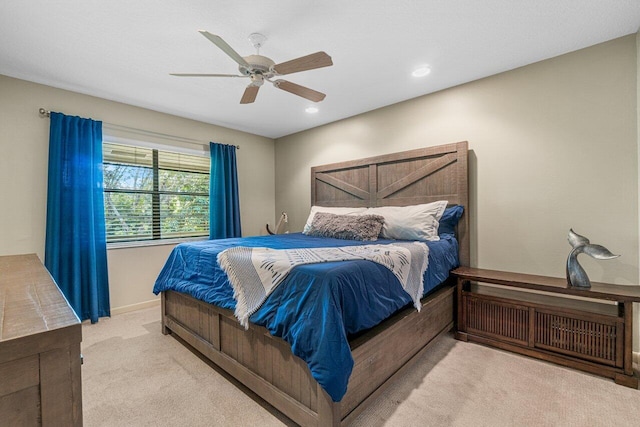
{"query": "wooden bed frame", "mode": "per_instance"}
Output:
(265, 363)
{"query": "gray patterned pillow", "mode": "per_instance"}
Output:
(348, 227)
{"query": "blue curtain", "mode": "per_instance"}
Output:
(224, 203)
(76, 246)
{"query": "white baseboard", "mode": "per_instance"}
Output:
(636, 358)
(134, 307)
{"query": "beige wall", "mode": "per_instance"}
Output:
(554, 145)
(24, 140)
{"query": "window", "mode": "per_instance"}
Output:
(151, 194)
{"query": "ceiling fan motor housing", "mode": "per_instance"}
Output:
(258, 64)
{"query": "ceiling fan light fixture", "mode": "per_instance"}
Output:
(421, 71)
(311, 109)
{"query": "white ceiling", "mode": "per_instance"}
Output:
(125, 50)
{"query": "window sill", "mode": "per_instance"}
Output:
(162, 242)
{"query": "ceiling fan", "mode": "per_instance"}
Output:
(259, 69)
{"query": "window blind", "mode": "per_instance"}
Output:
(153, 194)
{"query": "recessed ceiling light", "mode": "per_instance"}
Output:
(311, 110)
(421, 71)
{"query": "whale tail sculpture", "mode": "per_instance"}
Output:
(576, 276)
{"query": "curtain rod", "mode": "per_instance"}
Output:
(47, 113)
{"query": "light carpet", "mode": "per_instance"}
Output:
(135, 376)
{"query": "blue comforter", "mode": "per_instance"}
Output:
(317, 306)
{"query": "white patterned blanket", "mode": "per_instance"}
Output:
(255, 272)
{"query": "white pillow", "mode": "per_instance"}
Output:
(336, 211)
(417, 222)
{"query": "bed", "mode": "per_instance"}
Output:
(266, 364)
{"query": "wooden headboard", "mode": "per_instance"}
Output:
(400, 179)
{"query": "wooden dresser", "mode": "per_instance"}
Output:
(40, 339)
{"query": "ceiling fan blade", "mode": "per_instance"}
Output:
(309, 62)
(217, 40)
(204, 75)
(249, 94)
(296, 89)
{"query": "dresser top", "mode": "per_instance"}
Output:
(550, 284)
(30, 301)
